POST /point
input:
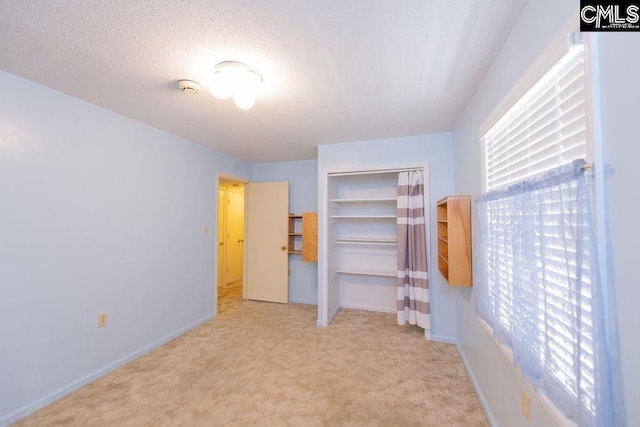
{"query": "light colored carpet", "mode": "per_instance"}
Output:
(268, 364)
(229, 296)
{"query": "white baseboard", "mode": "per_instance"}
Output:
(303, 301)
(474, 381)
(360, 307)
(333, 314)
(29, 408)
(447, 340)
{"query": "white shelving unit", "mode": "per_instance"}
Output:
(362, 241)
(359, 250)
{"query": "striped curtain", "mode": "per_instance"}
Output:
(413, 282)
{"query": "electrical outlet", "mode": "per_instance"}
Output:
(289, 272)
(205, 230)
(526, 405)
(103, 319)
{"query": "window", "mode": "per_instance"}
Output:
(536, 274)
(543, 129)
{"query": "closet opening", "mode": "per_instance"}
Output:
(360, 237)
(230, 244)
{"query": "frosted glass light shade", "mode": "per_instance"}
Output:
(244, 100)
(221, 85)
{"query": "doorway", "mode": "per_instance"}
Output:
(230, 244)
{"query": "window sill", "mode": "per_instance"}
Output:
(558, 415)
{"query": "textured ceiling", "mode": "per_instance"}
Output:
(334, 70)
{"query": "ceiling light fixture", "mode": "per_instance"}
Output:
(243, 82)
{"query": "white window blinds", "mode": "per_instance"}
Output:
(543, 129)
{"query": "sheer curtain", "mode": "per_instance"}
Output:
(413, 282)
(537, 286)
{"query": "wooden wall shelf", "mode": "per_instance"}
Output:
(303, 235)
(454, 239)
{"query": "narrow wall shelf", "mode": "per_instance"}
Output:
(303, 235)
(454, 239)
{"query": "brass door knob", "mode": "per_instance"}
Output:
(284, 248)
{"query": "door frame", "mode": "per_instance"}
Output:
(228, 177)
(222, 217)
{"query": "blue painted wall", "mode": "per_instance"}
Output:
(302, 177)
(620, 68)
(97, 213)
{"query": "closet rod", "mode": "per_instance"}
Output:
(369, 172)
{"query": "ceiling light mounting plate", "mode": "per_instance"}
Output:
(236, 66)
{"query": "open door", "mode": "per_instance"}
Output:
(267, 209)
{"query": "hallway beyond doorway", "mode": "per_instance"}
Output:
(229, 296)
(230, 243)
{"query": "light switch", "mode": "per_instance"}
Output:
(205, 230)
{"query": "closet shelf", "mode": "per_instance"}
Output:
(366, 272)
(366, 241)
(364, 216)
(443, 258)
(444, 240)
(376, 200)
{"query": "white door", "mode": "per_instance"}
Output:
(235, 234)
(222, 209)
(266, 241)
